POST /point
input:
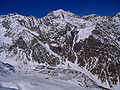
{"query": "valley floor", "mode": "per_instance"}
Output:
(36, 81)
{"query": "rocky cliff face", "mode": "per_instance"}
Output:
(88, 44)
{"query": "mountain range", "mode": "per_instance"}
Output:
(81, 49)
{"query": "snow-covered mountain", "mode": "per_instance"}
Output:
(85, 50)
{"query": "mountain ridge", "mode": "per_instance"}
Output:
(89, 44)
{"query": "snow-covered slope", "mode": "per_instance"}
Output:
(84, 50)
(6, 69)
(33, 81)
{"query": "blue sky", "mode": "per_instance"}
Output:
(40, 8)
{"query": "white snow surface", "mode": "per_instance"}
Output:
(3, 39)
(74, 66)
(35, 81)
(85, 33)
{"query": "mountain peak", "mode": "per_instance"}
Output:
(59, 11)
(117, 14)
(13, 14)
(62, 14)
